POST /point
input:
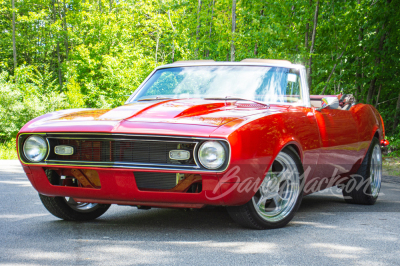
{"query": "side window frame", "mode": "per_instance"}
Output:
(305, 89)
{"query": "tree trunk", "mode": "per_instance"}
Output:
(57, 48)
(306, 35)
(13, 37)
(65, 31)
(359, 65)
(233, 30)
(209, 34)
(198, 28)
(396, 115)
(334, 88)
(306, 39)
(330, 75)
(111, 2)
(358, 59)
(312, 44)
(255, 49)
(173, 44)
(158, 38)
(377, 63)
(377, 97)
(59, 65)
(378, 59)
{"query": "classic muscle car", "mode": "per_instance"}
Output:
(246, 135)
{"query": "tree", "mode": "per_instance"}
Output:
(13, 36)
(314, 33)
(233, 30)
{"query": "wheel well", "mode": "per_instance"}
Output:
(296, 149)
(377, 135)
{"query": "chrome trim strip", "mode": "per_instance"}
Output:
(197, 170)
(224, 63)
(118, 139)
(120, 163)
(305, 89)
(48, 149)
(119, 134)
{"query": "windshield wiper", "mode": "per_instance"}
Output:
(236, 99)
(154, 99)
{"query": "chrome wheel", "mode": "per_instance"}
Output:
(376, 171)
(279, 191)
(81, 206)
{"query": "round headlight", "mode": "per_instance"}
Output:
(35, 148)
(212, 154)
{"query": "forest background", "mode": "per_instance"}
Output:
(57, 54)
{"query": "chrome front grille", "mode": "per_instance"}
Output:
(113, 150)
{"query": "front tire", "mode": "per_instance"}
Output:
(278, 198)
(363, 188)
(70, 210)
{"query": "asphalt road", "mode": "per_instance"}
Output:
(326, 231)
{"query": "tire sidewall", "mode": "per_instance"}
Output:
(59, 208)
(358, 189)
(374, 142)
(271, 225)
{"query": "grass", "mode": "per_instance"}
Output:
(8, 151)
(391, 166)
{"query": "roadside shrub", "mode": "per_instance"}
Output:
(394, 146)
(8, 150)
(23, 101)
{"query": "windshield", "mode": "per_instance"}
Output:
(260, 83)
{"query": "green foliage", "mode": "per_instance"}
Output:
(394, 146)
(21, 102)
(73, 54)
(74, 95)
(8, 150)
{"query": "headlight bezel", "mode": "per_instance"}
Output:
(225, 148)
(23, 148)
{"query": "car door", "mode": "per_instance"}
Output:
(339, 138)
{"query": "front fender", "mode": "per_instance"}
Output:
(255, 146)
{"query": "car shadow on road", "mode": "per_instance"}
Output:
(123, 218)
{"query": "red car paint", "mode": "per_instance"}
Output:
(324, 139)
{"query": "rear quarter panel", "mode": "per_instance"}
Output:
(369, 123)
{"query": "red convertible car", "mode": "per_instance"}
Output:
(246, 135)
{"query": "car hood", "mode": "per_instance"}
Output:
(183, 113)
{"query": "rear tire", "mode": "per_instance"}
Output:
(69, 210)
(363, 188)
(278, 198)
